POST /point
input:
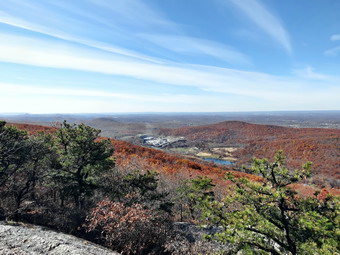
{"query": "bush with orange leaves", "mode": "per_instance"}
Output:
(129, 229)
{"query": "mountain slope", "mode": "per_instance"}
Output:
(254, 139)
(320, 146)
(133, 157)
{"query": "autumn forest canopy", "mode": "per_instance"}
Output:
(131, 198)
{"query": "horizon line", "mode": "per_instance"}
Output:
(170, 112)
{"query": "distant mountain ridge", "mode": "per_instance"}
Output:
(229, 129)
(103, 119)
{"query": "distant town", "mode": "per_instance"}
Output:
(162, 141)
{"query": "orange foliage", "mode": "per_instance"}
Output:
(320, 146)
(33, 129)
(128, 155)
(163, 162)
(304, 190)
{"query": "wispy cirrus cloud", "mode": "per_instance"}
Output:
(265, 20)
(6, 19)
(135, 13)
(55, 99)
(45, 53)
(120, 21)
(198, 47)
(204, 78)
(335, 37)
(333, 52)
(309, 73)
(80, 26)
(28, 89)
(131, 42)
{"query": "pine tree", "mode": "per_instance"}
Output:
(82, 158)
(269, 218)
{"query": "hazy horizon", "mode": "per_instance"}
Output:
(180, 113)
(194, 56)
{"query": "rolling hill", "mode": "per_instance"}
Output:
(320, 146)
(177, 167)
(130, 156)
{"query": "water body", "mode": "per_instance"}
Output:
(218, 161)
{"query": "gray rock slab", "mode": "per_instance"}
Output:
(26, 239)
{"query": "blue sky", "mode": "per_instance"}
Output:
(87, 56)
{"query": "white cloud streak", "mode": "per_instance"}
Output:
(135, 13)
(132, 14)
(29, 90)
(265, 20)
(206, 78)
(57, 100)
(197, 46)
(17, 22)
(117, 20)
(335, 37)
(61, 100)
(332, 52)
(47, 54)
(309, 73)
(105, 57)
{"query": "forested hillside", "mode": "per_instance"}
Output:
(129, 197)
(321, 146)
(130, 156)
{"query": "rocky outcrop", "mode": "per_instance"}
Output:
(24, 239)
